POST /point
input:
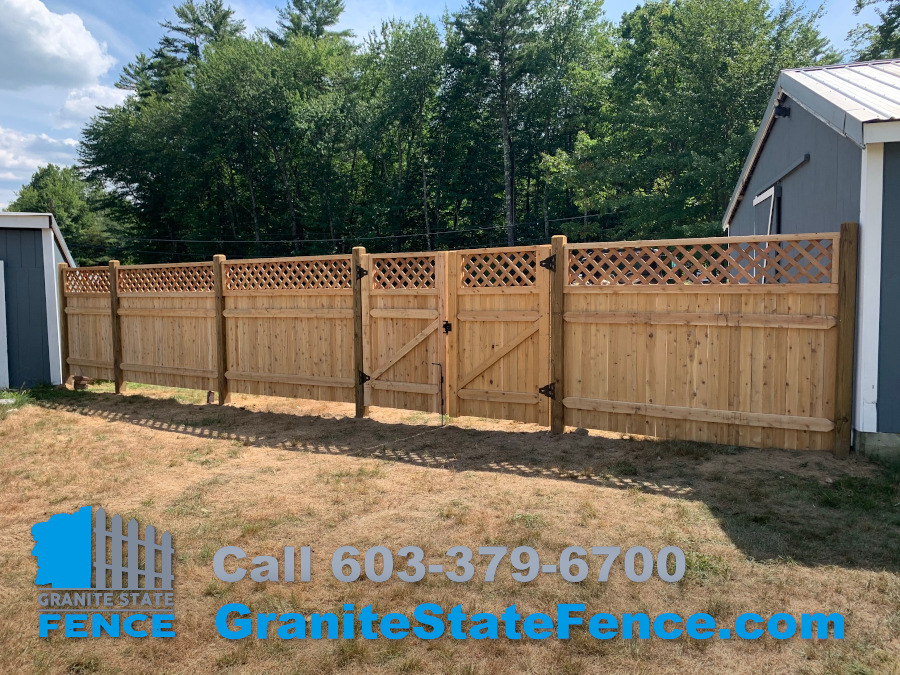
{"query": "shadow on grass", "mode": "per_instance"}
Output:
(774, 505)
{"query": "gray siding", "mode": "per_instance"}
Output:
(26, 320)
(816, 197)
(889, 330)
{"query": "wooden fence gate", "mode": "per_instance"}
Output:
(499, 308)
(403, 306)
(738, 340)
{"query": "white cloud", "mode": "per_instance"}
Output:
(21, 153)
(82, 103)
(39, 47)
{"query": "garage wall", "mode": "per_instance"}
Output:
(26, 319)
(816, 197)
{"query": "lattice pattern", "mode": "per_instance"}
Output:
(87, 280)
(493, 269)
(182, 279)
(403, 272)
(287, 275)
(774, 262)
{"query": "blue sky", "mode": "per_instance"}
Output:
(60, 58)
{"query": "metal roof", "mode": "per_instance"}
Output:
(849, 95)
(844, 96)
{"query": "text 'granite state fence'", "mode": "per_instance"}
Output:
(737, 340)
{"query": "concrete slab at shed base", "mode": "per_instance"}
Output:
(885, 447)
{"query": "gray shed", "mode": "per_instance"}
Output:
(31, 245)
(828, 151)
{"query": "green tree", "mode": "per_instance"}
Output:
(309, 18)
(880, 41)
(79, 208)
(198, 24)
(498, 42)
(690, 80)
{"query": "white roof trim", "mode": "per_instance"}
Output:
(36, 221)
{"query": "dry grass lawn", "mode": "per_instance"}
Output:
(764, 531)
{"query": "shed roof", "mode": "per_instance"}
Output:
(13, 220)
(847, 97)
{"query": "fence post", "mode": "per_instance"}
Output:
(118, 378)
(846, 336)
(221, 338)
(453, 268)
(559, 278)
(440, 284)
(63, 322)
(357, 276)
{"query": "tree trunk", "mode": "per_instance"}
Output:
(428, 241)
(295, 233)
(508, 179)
(253, 197)
(547, 182)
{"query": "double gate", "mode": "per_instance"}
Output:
(463, 332)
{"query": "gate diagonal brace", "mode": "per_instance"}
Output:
(548, 390)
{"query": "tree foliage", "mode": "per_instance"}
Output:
(511, 120)
(81, 211)
(880, 41)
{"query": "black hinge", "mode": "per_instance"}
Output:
(363, 378)
(549, 262)
(548, 390)
(448, 326)
(361, 272)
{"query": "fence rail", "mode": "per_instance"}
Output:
(739, 340)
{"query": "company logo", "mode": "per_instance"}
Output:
(104, 579)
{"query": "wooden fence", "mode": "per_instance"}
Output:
(738, 340)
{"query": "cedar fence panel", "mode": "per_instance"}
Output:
(721, 341)
(735, 340)
(87, 318)
(289, 327)
(167, 320)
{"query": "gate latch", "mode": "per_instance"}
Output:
(549, 262)
(548, 390)
(363, 378)
(361, 272)
(447, 326)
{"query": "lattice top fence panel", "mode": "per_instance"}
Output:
(87, 280)
(197, 278)
(808, 261)
(490, 269)
(289, 275)
(403, 272)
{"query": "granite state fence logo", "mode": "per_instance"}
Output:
(103, 580)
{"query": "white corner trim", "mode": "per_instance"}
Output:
(63, 248)
(869, 304)
(881, 132)
(4, 350)
(51, 296)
